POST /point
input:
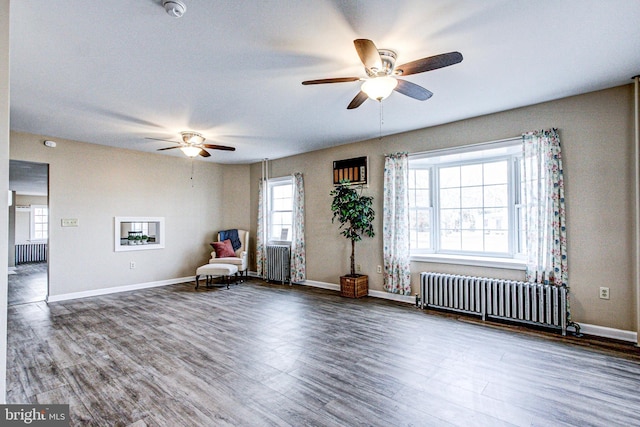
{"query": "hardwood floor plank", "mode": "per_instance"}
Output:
(271, 355)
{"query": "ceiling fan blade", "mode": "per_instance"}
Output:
(168, 148)
(204, 153)
(430, 63)
(219, 147)
(413, 90)
(334, 80)
(358, 100)
(368, 53)
(165, 140)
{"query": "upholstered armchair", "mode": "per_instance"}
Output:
(223, 253)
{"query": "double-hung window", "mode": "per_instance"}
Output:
(39, 222)
(465, 201)
(280, 210)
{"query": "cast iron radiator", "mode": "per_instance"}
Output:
(516, 301)
(30, 252)
(278, 263)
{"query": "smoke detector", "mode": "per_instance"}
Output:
(175, 8)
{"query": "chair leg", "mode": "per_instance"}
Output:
(197, 281)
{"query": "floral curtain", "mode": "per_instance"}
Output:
(543, 204)
(261, 238)
(395, 224)
(298, 256)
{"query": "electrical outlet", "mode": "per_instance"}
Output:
(132, 265)
(379, 269)
(604, 293)
(358, 268)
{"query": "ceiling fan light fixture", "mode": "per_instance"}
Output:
(191, 150)
(175, 8)
(379, 88)
(192, 137)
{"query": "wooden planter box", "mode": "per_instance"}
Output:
(354, 287)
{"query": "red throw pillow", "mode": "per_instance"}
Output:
(223, 249)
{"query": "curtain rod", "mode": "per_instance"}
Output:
(479, 144)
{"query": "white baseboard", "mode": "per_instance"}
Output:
(605, 332)
(322, 285)
(117, 289)
(376, 294)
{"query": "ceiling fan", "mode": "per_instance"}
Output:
(382, 74)
(193, 145)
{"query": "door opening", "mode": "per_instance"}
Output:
(28, 241)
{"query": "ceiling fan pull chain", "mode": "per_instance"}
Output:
(192, 172)
(381, 119)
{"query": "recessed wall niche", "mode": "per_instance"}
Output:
(138, 233)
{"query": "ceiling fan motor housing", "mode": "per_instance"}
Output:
(388, 58)
(175, 8)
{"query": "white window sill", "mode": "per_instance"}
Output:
(279, 243)
(506, 263)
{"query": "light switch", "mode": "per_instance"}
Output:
(69, 222)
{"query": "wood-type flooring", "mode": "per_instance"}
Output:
(264, 354)
(28, 283)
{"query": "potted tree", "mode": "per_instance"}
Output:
(355, 215)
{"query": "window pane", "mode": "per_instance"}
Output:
(280, 191)
(422, 178)
(471, 219)
(471, 175)
(450, 198)
(496, 196)
(422, 198)
(281, 205)
(471, 197)
(450, 177)
(496, 173)
(450, 219)
(496, 241)
(450, 240)
(472, 240)
(496, 219)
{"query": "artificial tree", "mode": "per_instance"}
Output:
(355, 215)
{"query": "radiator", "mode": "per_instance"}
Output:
(30, 252)
(516, 301)
(278, 263)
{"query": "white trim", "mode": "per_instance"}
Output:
(322, 285)
(158, 244)
(606, 332)
(393, 297)
(494, 262)
(469, 147)
(372, 293)
(117, 289)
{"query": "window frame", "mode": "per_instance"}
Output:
(507, 150)
(32, 221)
(272, 183)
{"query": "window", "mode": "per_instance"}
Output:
(465, 201)
(39, 222)
(280, 210)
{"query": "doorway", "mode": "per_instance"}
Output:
(28, 232)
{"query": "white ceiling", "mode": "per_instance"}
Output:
(113, 72)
